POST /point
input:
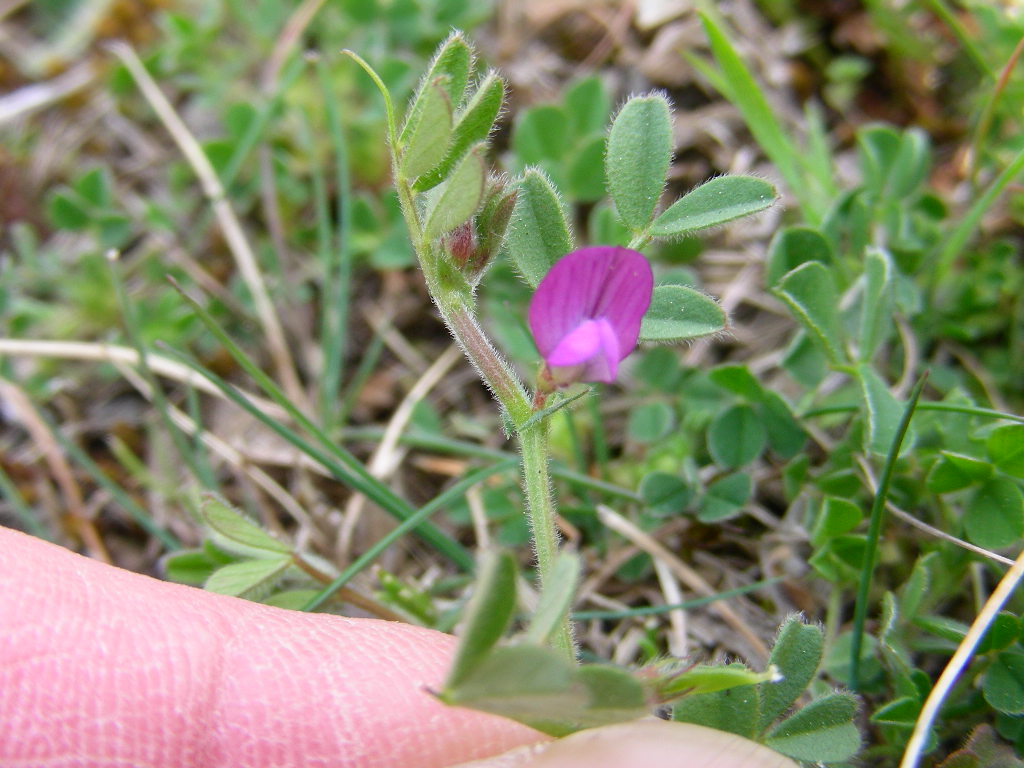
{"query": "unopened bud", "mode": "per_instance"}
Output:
(460, 245)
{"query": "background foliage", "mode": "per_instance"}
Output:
(748, 462)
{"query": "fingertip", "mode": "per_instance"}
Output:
(642, 744)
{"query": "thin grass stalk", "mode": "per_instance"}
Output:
(355, 478)
(419, 517)
(337, 267)
(860, 611)
(245, 258)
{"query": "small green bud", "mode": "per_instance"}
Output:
(495, 214)
(472, 245)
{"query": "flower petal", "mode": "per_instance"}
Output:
(601, 283)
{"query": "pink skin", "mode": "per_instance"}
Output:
(102, 668)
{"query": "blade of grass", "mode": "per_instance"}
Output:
(257, 127)
(743, 91)
(378, 491)
(137, 512)
(860, 611)
(241, 250)
(964, 230)
(968, 410)
(360, 481)
(655, 610)
(337, 265)
(367, 362)
(130, 322)
(602, 455)
(207, 477)
(461, 448)
(25, 514)
(418, 518)
(970, 46)
(322, 217)
(984, 123)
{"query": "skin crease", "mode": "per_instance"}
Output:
(101, 667)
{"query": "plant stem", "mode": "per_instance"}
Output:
(495, 372)
(533, 446)
(454, 300)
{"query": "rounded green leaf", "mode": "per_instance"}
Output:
(189, 566)
(665, 494)
(725, 498)
(540, 134)
(797, 655)
(639, 152)
(67, 210)
(650, 422)
(720, 200)
(251, 579)
(1004, 629)
(533, 684)
(1004, 683)
(460, 196)
(811, 295)
(995, 516)
(236, 533)
(793, 246)
(487, 615)
(587, 106)
(538, 234)
(1006, 449)
(584, 180)
(837, 516)
(556, 598)
(955, 471)
(821, 732)
(739, 380)
(679, 312)
(882, 414)
(736, 436)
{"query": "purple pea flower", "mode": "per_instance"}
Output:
(585, 314)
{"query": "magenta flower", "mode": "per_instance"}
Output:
(585, 314)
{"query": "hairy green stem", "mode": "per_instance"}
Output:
(533, 446)
(454, 301)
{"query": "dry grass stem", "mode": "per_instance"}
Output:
(116, 354)
(685, 573)
(960, 659)
(385, 459)
(243, 254)
(63, 475)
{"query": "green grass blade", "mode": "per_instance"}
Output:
(131, 325)
(967, 410)
(257, 128)
(136, 511)
(461, 448)
(860, 610)
(416, 519)
(964, 230)
(655, 610)
(337, 265)
(346, 470)
(25, 514)
(746, 95)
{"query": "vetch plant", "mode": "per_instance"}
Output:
(590, 308)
